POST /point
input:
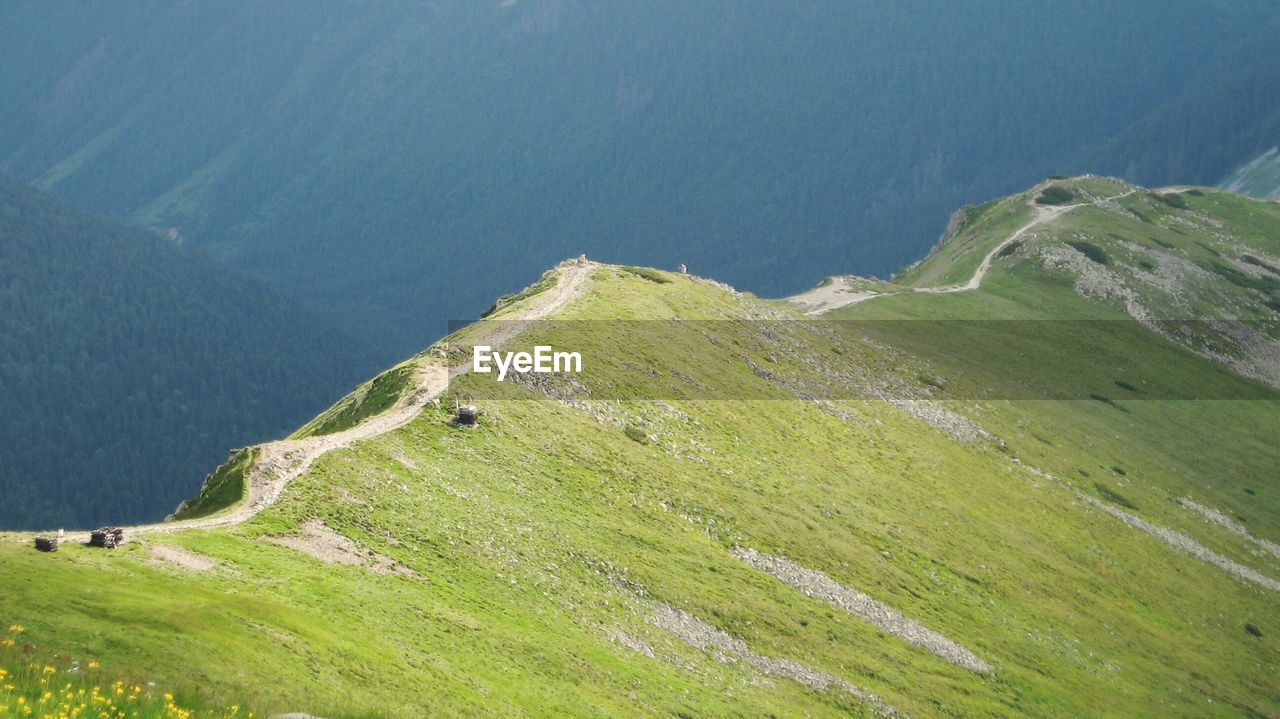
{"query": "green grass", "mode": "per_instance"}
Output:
(35, 684)
(369, 399)
(954, 260)
(649, 273)
(1056, 195)
(222, 489)
(1114, 497)
(545, 536)
(548, 280)
(1117, 363)
(1090, 250)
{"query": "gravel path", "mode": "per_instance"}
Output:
(837, 293)
(819, 586)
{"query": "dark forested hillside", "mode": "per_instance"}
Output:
(378, 159)
(128, 366)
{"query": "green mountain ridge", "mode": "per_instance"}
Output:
(601, 545)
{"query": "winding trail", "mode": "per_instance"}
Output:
(838, 294)
(282, 461)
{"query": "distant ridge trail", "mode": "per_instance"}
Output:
(282, 461)
(838, 294)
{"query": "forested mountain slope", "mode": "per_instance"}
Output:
(129, 366)
(893, 531)
(373, 160)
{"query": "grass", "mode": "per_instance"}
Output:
(544, 538)
(1259, 263)
(549, 279)
(56, 687)
(955, 259)
(1090, 250)
(369, 399)
(990, 354)
(1172, 199)
(1056, 195)
(649, 274)
(1009, 249)
(222, 489)
(1114, 497)
(1241, 279)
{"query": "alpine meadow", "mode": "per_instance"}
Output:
(713, 359)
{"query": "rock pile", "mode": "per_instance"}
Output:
(107, 537)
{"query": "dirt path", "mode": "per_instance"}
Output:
(282, 461)
(838, 294)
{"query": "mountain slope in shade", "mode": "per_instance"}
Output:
(371, 160)
(129, 366)
(1260, 177)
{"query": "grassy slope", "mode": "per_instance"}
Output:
(1220, 452)
(955, 260)
(369, 399)
(546, 529)
(221, 490)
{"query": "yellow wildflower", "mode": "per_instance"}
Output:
(16, 628)
(93, 664)
(7, 643)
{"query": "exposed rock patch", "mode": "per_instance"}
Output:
(937, 414)
(819, 586)
(633, 643)
(1177, 540)
(167, 554)
(1229, 524)
(701, 635)
(1183, 543)
(327, 545)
